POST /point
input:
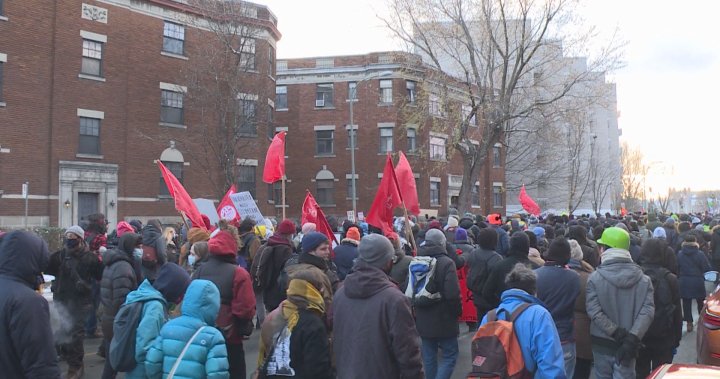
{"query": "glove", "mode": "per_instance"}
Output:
(628, 350)
(619, 335)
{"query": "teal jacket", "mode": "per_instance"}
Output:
(207, 356)
(151, 321)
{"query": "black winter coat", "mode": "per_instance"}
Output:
(495, 284)
(692, 264)
(480, 262)
(309, 348)
(120, 276)
(439, 320)
(27, 349)
(152, 236)
(345, 255)
(74, 274)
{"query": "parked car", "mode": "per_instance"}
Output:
(708, 329)
(685, 371)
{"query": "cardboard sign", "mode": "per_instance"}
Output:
(246, 206)
(361, 216)
(350, 216)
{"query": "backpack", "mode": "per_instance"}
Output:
(421, 288)
(259, 265)
(149, 256)
(495, 350)
(662, 324)
(122, 345)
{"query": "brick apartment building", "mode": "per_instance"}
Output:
(92, 95)
(397, 107)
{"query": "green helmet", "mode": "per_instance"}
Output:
(615, 237)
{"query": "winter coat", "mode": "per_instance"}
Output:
(374, 335)
(582, 321)
(590, 254)
(667, 339)
(27, 349)
(152, 319)
(271, 263)
(558, 287)
(399, 271)
(75, 272)
(207, 355)
(152, 236)
(316, 271)
(480, 263)
(119, 277)
(495, 284)
(345, 255)
(692, 264)
(536, 334)
(249, 245)
(503, 243)
(535, 257)
(464, 246)
(439, 320)
(618, 295)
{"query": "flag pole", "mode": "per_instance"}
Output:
(283, 196)
(408, 230)
(182, 214)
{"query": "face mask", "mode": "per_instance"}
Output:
(191, 260)
(71, 244)
(137, 253)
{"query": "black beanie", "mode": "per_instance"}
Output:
(171, 282)
(519, 245)
(558, 251)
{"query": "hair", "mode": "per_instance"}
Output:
(487, 239)
(201, 250)
(684, 227)
(226, 226)
(578, 233)
(533, 239)
(522, 277)
(168, 234)
(653, 251)
(246, 225)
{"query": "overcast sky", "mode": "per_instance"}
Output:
(667, 93)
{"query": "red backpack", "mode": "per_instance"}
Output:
(495, 349)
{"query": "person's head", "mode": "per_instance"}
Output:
(353, 233)
(124, 227)
(377, 251)
(577, 233)
(519, 245)
(317, 244)
(558, 251)
(129, 242)
(539, 232)
(201, 301)
(74, 238)
(305, 296)
(461, 235)
(195, 235)
(684, 227)
(494, 219)
(576, 252)
(198, 252)
(452, 222)
(223, 243)
(97, 223)
(23, 255)
(523, 278)
(653, 251)
(137, 225)
(487, 239)
(436, 237)
(308, 227)
(690, 241)
(246, 225)
(172, 281)
(531, 238)
(616, 238)
(169, 233)
(286, 228)
(154, 224)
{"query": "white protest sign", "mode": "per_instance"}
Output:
(245, 205)
(207, 207)
(350, 216)
(361, 216)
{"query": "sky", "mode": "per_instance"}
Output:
(666, 90)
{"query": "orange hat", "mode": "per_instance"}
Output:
(353, 233)
(494, 219)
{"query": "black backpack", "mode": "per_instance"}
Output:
(122, 346)
(662, 324)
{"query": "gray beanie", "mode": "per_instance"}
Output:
(436, 236)
(375, 250)
(76, 230)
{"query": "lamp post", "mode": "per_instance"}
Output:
(352, 98)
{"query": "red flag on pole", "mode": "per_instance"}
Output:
(406, 183)
(275, 159)
(183, 202)
(226, 208)
(528, 203)
(311, 212)
(386, 200)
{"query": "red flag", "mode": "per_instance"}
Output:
(226, 208)
(528, 203)
(386, 200)
(183, 202)
(406, 183)
(311, 212)
(275, 159)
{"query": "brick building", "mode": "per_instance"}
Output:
(94, 92)
(398, 106)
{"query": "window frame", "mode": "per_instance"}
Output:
(247, 185)
(411, 141)
(166, 105)
(349, 189)
(384, 140)
(325, 195)
(497, 196)
(385, 88)
(435, 147)
(411, 93)
(171, 36)
(271, 60)
(352, 91)
(87, 53)
(281, 95)
(82, 147)
(325, 94)
(352, 133)
(318, 140)
(435, 106)
(246, 124)
(475, 195)
(177, 169)
(248, 53)
(497, 159)
(434, 193)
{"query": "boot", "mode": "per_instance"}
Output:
(75, 372)
(689, 326)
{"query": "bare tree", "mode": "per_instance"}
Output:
(633, 175)
(498, 48)
(664, 200)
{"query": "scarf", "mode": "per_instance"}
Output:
(301, 295)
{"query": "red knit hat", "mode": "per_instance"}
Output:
(353, 233)
(223, 243)
(286, 227)
(124, 227)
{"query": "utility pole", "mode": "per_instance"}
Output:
(25, 191)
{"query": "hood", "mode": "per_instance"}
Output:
(580, 265)
(145, 292)
(127, 242)
(514, 297)
(277, 239)
(365, 281)
(23, 255)
(150, 234)
(618, 269)
(202, 301)
(116, 255)
(431, 249)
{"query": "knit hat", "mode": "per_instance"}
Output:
(575, 250)
(695, 220)
(659, 232)
(670, 221)
(436, 236)
(375, 250)
(223, 243)
(452, 222)
(519, 244)
(461, 235)
(286, 227)
(539, 231)
(137, 225)
(558, 251)
(76, 230)
(312, 240)
(434, 224)
(124, 227)
(308, 227)
(197, 234)
(353, 233)
(494, 219)
(466, 223)
(172, 281)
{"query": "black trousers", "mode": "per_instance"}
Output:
(583, 367)
(650, 357)
(236, 360)
(71, 345)
(687, 308)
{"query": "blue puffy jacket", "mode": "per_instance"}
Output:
(536, 334)
(207, 356)
(151, 321)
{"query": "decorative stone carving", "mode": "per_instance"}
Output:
(91, 12)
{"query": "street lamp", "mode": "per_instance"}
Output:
(352, 98)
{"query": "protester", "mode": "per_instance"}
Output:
(76, 269)
(583, 350)
(97, 242)
(237, 301)
(206, 355)
(503, 244)
(480, 262)
(518, 253)
(173, 255)
(27, 349)
(462, 242)
(153, 241)
(249, 244)
(269, 262)
(620, 305)
(558, 287)
(591, 254)
(346, 252)
(533, 253)
(401, 261)
(194, 235)
(692, 264)
(198, 255)
(374, 331)
(534, 327)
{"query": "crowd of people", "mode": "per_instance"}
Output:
(601, 294)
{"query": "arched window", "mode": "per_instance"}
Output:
(172, 158)
(325, 182)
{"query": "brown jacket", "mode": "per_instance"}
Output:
(583, 348)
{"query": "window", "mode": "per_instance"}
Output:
(246, 179)
(434, 193)
(245, 121)
(324, 95)
(271, 60)
(497, 196)
(275, 192)
(177, 169)
(281, 97)
(324, 142)
(325, 191)
(435, 107)
(466, 110)
(173, 38)
(386, 140)
(475, 195)
(349, 188)
(247, 54)
(89, 136)
(496, 156)
(437, 148)
(91, 58)
(352, 90)
(270, 112)
(171, 107)
(386, 91)
(411, 140)
(352, 134)
(411, 93)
